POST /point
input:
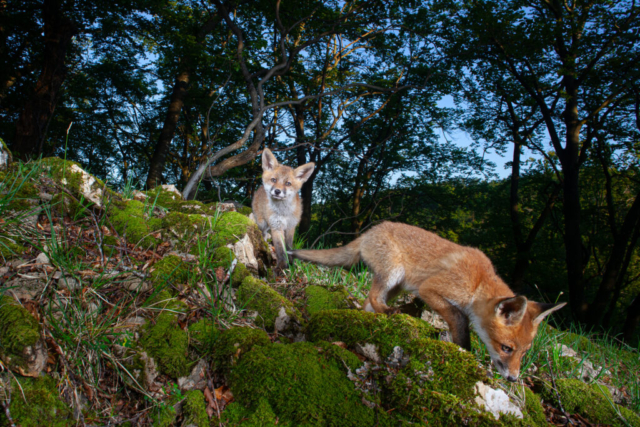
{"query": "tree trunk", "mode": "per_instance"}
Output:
(168, 129)
(32, 122)
(633, 318)
(616, 259)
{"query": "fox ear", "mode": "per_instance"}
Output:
(304, 172)
(546, 309)
(511, 310)
(269, 161)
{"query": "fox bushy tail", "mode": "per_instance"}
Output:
(345, 256)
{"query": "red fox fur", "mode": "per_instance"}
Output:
(457, 282)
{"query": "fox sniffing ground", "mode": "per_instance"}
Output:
(457, 282)
(277, 205)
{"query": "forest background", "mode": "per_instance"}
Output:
(377, 94)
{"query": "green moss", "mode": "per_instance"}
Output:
(202, 336)
(183, 223)
(341, 356)
(239, 274)
(158, 196)
(169, 270)
(436, 386)
(10, 249)
(301, 387)
(355, 326)
(164, 416)
(245, 210)
(168, 345)
(236, 414)
(19, 192)
(129, 219)
(533, 412)
(593, 402)
(19, 330)
(231, 226)
(256, 295)
(164, 301)
(231, 344)
(194, 409)
(222, 257)
(41, 405)
(320, 298)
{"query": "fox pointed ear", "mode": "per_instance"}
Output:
(304, 172)
(511, 310)
(546, 309)
(269, 161)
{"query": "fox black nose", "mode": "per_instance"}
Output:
(512, 378)
(276, 191)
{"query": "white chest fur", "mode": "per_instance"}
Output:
(282, 215)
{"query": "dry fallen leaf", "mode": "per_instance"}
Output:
(220, 274)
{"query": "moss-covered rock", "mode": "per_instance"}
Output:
(222, 257)
(301, 386)
(359, 327)
(168, 345)
(168, 271)
(163, 301)
(436, 386)
(239, 274)
(194, 409)
(183, 224)
(261, 416)
(36, 402)
(275, 311)
(202, 336)
(21, 345)
(231, 344)
(593, 402)
(130, 220)
(320, 298)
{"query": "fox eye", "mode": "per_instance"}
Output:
(288, 183)
(273, 180)
(507, 349)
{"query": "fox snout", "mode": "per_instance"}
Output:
(510, 373)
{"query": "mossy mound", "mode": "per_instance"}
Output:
(320, 298)
(168, 345)
(183, 224)
(19, 191)
(301, 386)
(239, 274)
(222, 257)
(131, 219)
(231, 344)
(36, 402)
(20, 330)
(436, 387)
(360, 327)
(163, 301)
(169, 270)
(9, 248)
(261, 416)
(194, 409)
(275, 311)
(202, 336)
(592, 401)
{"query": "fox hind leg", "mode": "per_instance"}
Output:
(458, 322)
(382, 289)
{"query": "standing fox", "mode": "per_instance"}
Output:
(458, 282)
(276, 205)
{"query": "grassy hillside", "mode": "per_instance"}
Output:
(139, 308)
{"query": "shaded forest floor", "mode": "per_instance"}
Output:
(139, 308)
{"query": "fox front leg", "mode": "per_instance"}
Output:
(288, 237)
(278, 238)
